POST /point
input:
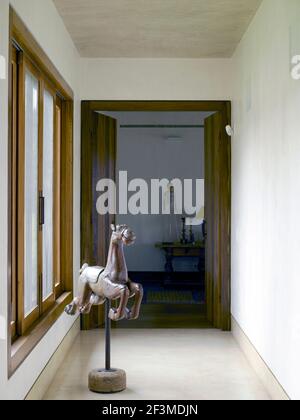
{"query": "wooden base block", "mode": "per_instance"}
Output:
(107, 382)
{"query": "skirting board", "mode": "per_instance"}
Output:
(45, 379)
(271, 384)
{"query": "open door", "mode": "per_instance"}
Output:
(217, 216)
(98, 160)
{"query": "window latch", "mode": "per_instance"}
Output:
(41, 210)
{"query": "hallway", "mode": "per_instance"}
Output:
(162, 364)
(171, 126)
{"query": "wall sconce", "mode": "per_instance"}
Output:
(2, 68)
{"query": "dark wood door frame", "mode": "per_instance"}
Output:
(223, 300)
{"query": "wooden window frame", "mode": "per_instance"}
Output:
(58, 283)
(25, 321)
(13, 145)
(19, 347)
(49, 301)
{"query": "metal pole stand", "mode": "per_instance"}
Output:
(108, 380)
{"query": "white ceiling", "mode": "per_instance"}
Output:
(157, 28)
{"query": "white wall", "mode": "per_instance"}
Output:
(266, 162)
(46, 25)
(156, 79)
(266, 190)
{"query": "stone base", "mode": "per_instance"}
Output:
(107, 382)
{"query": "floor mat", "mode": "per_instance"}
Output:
(170, 296)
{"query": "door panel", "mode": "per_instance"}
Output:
(98, 161)
(217, 215)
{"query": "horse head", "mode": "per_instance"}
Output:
(123, 233)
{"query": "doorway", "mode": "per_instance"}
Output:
(192, 299)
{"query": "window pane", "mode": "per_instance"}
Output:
(14, 92)
(57, 182)
(48, 146)
(31, 194)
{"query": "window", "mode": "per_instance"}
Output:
(38, 124)
(41, 204)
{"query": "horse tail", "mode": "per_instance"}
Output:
(84, 267)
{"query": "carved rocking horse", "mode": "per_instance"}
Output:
(96, 284)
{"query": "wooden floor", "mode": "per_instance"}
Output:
(169, 316)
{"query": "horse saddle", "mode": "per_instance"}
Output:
(91, 274)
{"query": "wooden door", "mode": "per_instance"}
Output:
(217, 215)
(98, 161)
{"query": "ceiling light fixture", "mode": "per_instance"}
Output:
(174, 139)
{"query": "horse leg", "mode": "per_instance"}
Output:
(72, 308)
(81, 301)
(120, 312)
(94, 301)
(85, 301)
(137, 291)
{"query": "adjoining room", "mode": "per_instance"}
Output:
(169, 255)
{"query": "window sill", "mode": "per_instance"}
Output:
(24, 345)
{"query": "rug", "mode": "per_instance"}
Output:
(170, 297)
